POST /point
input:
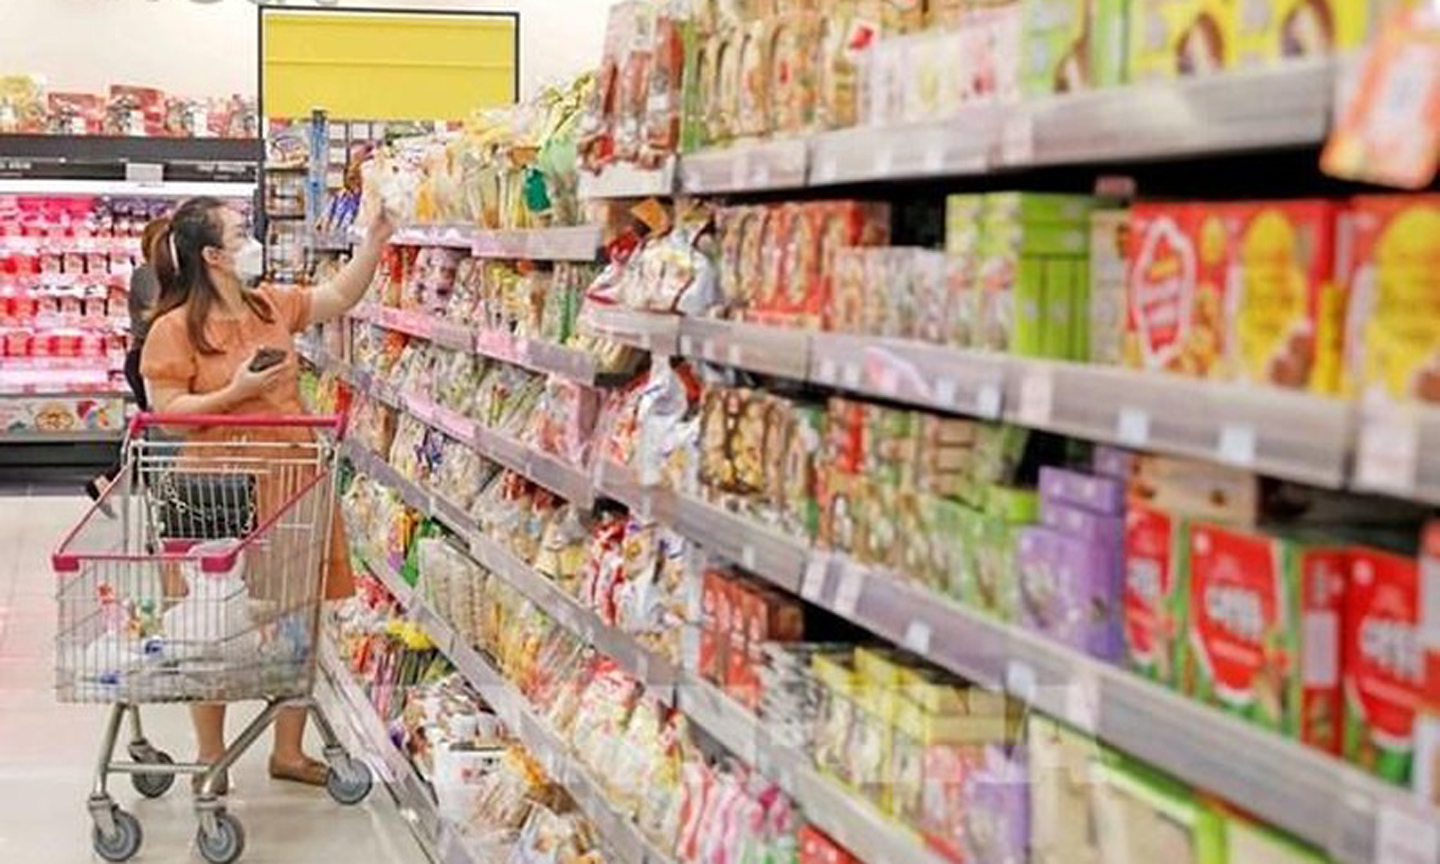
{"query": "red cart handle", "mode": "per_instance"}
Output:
(144, 421)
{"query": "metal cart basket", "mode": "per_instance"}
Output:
(203, 583)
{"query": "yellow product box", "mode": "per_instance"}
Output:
(1174, 38)
(1270, 30)
(1391, 260)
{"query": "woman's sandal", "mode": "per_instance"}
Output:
(309, 772)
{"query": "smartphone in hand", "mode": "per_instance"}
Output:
(267, 358)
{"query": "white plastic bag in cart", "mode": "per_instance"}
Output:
(213, 621)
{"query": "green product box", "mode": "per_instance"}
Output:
(1016, 504)
(998, 450)
(992, 587)
(1079, 311)
(1031, 309)
(1037, 208)
(1072, 45)
(1056, 338)
(1143, 815)
(1246, 842)
(1034, 238)
(962, 224)
(946, 527)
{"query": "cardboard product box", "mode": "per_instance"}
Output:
(1101, 495)
(1261, 624)
(804, 437)
(1115, 462)
(1070, 590)
(1194, 488)
(1082, 524)
(849, 290)
(1175, 38)
(1063, 793)
(841, 501)
(934, 311)
(1030, 307)
(981, 810)
(1282, 311)
(715, 609)
(1175, 290)
(1283, 29)
(1383, 677)
(1078, 272)
(1143, 815)
(1073, 45)
(799, 297)
(990, 584)
(1427, 731)
(1154, 607)
(1392, 266)
(757, 245)
(1062, 291)
(1037, 208)
(835, 731)
(1248, 842)
(1106, 299)
(951, 555)
(764, 616)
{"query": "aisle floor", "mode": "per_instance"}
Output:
(47, 750)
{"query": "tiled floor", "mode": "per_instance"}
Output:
(47, 750)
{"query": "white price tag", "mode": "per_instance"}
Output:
(1037, 398)
(687, 346)
(747, 557)
(1133, 427)
(826, 373)
(733, 355)
(1020, 680)
(917, 637)
(987, 401)
(826, 169)
(850, 375)
(1237, 444)
(934, 160)
(847, 596)
(813, 584)
(1082, 701)
(1406, 837)
(1389, 453)
(945, 390)
(1017, 146)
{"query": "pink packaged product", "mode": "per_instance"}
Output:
(1104, 495)
(1113, 462)
(1082, 524)
(1070, 590)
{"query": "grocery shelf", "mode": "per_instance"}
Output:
(126, 189)
(768, 350)
(60, 156)
(624, 180)
(534, 354)
(365, 736)
(745, 167)
(837, 811)
(767, 552)
(905, 370)
(564, 243)
(1283, 433)
(1283, 106)
(962, 145)
(1398, 451)
(452, 235)
(649, 331)
(57, 436)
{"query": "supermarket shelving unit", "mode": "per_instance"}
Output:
(1339, 808)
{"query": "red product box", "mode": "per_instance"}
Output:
(1324, 581)
(1175, 290)
(762, 615)
(1383, 672)
(715, 624)
(1153, 605)
(816, 847)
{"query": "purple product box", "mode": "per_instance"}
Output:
(1070, 591)
(997, 808)
(1113, 462)
(1082, 524)
(1104, 495)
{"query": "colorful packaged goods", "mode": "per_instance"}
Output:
(1072, 45)
(1383, 666)
(1393, 270)
(1426, 771)
(1106, 321)
(1142, 815)
(1153, 602)
(1283, 29)
(1262, 628)
(1174, 38)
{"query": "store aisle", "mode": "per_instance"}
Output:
(47, 750)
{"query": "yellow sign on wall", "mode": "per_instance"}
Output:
(409, 66)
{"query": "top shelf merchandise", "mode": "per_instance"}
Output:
(27, 108)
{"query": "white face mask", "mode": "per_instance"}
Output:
(250, 260)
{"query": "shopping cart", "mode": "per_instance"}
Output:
(206, 585)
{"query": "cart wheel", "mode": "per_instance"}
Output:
(349, 781)
(226, 845)
(152, 785)
(124, 842)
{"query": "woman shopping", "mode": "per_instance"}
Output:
(200, 357)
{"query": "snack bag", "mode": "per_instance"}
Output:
(1153, 606)
(1282, 29)
(1392, 334)
(1382, 672)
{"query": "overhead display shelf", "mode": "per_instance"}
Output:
(106, 157)
(767, 165)
(624, 180)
